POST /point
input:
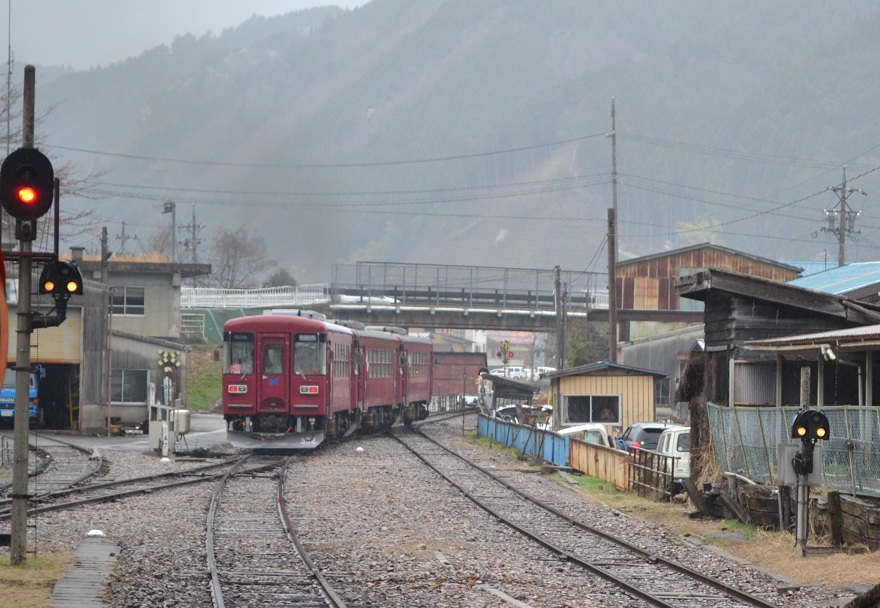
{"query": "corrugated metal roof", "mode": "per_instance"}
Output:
(842, 279)
(849, 336)
(603, 366)
(692, 248)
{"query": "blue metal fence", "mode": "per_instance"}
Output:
(527, 439)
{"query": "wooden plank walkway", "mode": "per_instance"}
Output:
(83, 586)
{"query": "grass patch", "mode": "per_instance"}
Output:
(31, 585)
(204, 379)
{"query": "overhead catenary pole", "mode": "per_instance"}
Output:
(24, 230)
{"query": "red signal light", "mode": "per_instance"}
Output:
(27, 184)
(510, 355)
(27, 195)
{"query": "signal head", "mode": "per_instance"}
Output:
(27, 184)
(61, 278)
(810, 425)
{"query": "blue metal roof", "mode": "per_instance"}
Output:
(843, 279)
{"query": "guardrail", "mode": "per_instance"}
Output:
(269, 297)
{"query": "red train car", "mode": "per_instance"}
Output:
(296, 379)
(456, 374)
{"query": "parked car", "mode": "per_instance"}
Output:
(676, 443)
(544, 370)
(590, 432)
(644, 435)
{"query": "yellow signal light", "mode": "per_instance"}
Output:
(71, 286)
(801, 431)
(820, 432)
(49, 286)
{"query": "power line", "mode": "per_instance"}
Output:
(391, 163)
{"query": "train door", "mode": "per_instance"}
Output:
(403, 373)
(272, 390)
(360, 374)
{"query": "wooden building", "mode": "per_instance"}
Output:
(744, 317)
(607, 393)
(648, 283)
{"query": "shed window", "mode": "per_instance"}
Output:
(129, 386)
(604, 409)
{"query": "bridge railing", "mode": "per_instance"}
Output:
(268, 297)
(470, 286)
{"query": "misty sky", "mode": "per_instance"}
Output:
(91, 33)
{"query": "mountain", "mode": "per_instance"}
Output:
(461, 132)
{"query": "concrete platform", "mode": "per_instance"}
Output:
(83, 585)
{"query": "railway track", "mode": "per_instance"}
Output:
(54, 465)
(254, 557)
(72, 497)
(646, 577)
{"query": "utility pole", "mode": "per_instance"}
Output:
(124, 238)
(847, 218)
(170, 208)
(612, 245)
(614, 169)
(560, 340)
(612, 286)
(105, 255)
(18, 544)
(192, 242)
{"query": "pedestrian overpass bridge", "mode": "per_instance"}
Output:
(436, 296)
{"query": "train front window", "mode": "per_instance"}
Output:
(310, 354)
(273, 359)
(239, 353)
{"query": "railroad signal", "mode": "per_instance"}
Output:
(27, 184)
(61, 279)
(510, 355)
(810, 425)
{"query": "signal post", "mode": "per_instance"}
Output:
(27, 188)
(809, 426)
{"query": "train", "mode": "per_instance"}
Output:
(293, 379)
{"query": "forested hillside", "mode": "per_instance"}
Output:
(461, 132)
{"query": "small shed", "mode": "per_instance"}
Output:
(604, 392)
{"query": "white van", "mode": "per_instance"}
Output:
(590, 432)
(676, 443)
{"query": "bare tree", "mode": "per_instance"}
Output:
(160, 242)
(239, 258)
(71, 182)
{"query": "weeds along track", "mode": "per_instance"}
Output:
(644, 576)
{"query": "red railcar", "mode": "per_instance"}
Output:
(296, 379)
(456, 375)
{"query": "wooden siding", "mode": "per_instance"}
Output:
(607, 464)
(650, 284)
(636, 394)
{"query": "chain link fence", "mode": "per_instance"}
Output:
(745, 440)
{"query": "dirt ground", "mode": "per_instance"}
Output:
(769, 550)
